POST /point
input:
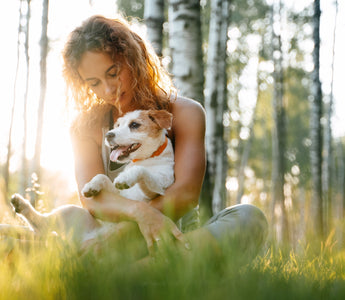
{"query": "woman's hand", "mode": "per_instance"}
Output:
(157, 229)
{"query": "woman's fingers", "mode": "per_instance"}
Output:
(150, 246)
(159, 231)
(168, 237)
(151, 240)
(180, 237)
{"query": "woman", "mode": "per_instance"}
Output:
(110, 71)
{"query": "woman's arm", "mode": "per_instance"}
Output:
(190, 160)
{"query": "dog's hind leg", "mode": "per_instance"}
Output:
(38, 222)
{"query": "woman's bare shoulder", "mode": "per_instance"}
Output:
(184, 102)
(187, 110)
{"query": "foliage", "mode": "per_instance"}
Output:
(297, 84)
(133, 8)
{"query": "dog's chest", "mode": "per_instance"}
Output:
(135, 193)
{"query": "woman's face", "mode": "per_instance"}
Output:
(108, 79)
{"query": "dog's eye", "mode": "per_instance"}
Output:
(134, 125)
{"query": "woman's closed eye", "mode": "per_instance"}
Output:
(93, 83)
(113, 71)
(113, 74)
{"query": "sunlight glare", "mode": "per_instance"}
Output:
(232, 184)
(56, 153)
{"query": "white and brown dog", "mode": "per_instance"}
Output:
(138, 139)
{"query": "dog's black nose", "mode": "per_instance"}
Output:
(109, 135)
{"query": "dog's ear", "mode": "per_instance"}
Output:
(162, 118)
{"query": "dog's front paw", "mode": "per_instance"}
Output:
(121, 185)
(96, 185)
(90, 190)
(19, 203)
(120, 182)
(123, 181)
(129, 178)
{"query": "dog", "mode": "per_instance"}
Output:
(139, 139)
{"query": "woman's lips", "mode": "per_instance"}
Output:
(118, 98)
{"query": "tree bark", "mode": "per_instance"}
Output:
(187, 67)
(9, 143)
(341, 178)
(316, 127)
(43, 83)
(328, 151)
(216, 101)
(279, 133)
(186, 51)
(154, 19)
(24, 167)
(246, 152)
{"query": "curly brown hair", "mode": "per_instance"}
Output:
(152, 86)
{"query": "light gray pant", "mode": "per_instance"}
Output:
(242, 228)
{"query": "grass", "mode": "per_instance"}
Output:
(55, 271)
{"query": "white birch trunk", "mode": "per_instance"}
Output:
(246, 152)
(154, 19)
(340, 179)
(215, 101)
(328, 151)
(9, 143)
(340, 187)
(316, 127)
(24, 167)
(43, 82)
(185, 45)
(279, 133)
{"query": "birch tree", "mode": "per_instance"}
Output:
(133, 8)
(154, 19)
(187, 64)
(316, 126)
(24, 168)
(22, 30)
(246, 152)
(43, 84)
(340, 178)
(216, 100)
(279, 129)
(328, 151)
(185, 44)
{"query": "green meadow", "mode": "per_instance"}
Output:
(54, 270)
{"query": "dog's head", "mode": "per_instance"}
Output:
(138, 134)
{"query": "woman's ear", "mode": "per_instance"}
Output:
(162, 118)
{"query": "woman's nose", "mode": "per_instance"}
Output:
(109, 89)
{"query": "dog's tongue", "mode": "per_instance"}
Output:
(115, 154)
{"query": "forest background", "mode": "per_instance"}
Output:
(269, 74)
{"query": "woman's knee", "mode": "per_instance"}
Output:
(242, 226)
(254, 226)
(252, 218)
